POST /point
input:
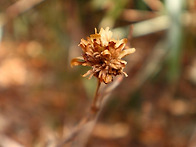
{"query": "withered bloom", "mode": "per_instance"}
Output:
(104, 54)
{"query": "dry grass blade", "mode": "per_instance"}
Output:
(137, 15)
(153, 63)
(151, 26)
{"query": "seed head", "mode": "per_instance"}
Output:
(104, 54)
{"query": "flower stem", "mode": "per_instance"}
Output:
(94, 106)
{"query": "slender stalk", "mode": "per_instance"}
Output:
(94, 106)
(81, 133)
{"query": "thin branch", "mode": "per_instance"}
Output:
(16, 9)
(81, 133)
(94, 106)
(153, 63)
(20, 7)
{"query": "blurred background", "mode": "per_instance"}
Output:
(42, 99)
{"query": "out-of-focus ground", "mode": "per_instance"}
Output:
(42, 98)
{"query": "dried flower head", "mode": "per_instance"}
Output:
(104, 54)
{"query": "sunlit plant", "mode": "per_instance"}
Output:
(104, 54)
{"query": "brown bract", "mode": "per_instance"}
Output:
(104, 54)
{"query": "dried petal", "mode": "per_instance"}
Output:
(122, 41)
(126, 52)
(83, 41)
(95, 36)
(108, 79)
(105, 36)
(89, 72)
(125, 74)
(100, 74)
(106, 53)
(77, 61)
(113, 66)
(95, 30)
(122, 62)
